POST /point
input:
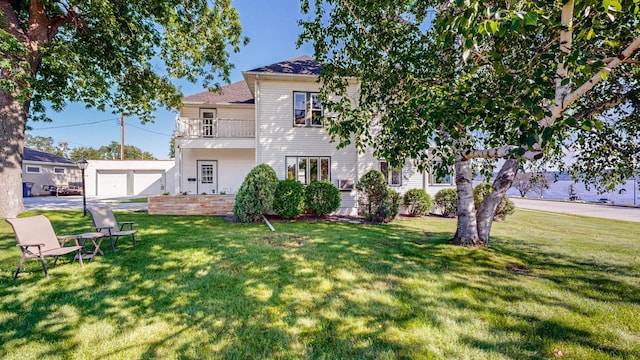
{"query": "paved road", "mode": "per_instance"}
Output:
(75, 202)
(593, 210)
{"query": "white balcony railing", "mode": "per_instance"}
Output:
(214, 128)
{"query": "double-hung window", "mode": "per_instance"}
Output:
(307, 109)
(393, 176)
(308, 168)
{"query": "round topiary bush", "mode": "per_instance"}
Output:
(255, 196)
(376, 202)
(289, 199)
(322, 198)
(417, 202)
(505, 208)
(447, 201)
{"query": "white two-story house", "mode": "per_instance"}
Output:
(274, 117)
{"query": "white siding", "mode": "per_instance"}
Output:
(278, 138)
(190, 111)
(223, 112)
(48, 177)
(411, 178)
(233, 167)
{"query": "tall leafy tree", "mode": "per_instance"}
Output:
(445, 83)
(106, 54)
(42, 143)
(85, 153)
(110, 152)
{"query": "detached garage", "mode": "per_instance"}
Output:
(129, 177)
(111, 183)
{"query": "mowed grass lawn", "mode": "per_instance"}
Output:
(197, 287)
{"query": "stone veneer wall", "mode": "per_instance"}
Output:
(191, 204)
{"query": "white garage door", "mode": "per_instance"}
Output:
(147, 183)
(112, 184)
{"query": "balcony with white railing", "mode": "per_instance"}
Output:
(216, 132)
(215, 128)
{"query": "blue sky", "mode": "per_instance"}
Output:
(272, 28)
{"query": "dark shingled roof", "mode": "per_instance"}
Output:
(37, 155)
(236, 93)
(303, 65)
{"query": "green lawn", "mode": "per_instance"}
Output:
(197, 287)
(133, 200)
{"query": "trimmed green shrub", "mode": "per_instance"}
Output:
(255, 196)
(417, 202)
(505, 208)
(322, 198)
(389, 206)
(376, 202)
(289, 199)
(447, 201)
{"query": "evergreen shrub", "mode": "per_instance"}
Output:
(417, 202)
(289, 199)
(256, 194)
(447, 201)
(322, 198)
(376, 202)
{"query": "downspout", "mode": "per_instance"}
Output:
(257, 119)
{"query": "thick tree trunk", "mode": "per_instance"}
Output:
(15, 100)
(467, 231)
(13, 117)
(491, 200)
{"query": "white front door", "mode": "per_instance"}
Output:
(208, 118)
(207, 176)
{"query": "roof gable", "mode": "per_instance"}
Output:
(236, 93)
(303, 65)
(37, 155)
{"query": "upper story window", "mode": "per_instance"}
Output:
(307, 168)
(59, 170)
(393, 176)
(307, 109)
(33, 169)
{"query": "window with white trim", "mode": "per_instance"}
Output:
(446, 179)
(33, 169)
(307, 109)
(59, 170)
(308, 168)
(393, 176)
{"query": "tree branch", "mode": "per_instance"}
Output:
(557, 109)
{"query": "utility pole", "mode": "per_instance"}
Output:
(122, 137)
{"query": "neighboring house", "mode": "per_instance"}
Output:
(274, 116)
(46, 172)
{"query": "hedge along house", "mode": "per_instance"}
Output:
(274, 116)
(46, 172)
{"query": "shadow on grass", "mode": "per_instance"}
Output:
(309, 290)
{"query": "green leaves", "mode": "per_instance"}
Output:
(530, 19)
(123, 55)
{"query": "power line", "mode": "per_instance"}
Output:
(147, 130)
(73, 125)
